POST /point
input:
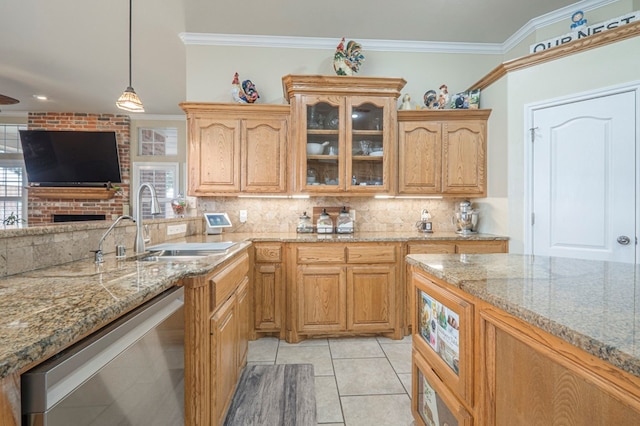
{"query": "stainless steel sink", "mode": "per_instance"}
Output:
(185, 251)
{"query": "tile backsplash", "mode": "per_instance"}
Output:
(372, 215)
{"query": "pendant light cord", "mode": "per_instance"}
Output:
(130, 26)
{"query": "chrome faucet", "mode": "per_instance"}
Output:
(138, 245)
(99, 257)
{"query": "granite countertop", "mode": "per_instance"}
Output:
(47, 310)
(592, 305)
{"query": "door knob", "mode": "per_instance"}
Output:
(624, 240)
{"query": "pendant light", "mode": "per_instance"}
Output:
(129, 100)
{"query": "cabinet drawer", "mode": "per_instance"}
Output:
(431, 248)
(271, 253)
(334, 253)
(371, 254)
(482, 247)
(225, 282)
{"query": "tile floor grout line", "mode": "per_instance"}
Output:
(335, 379)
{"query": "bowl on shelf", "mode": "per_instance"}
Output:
(316, 148)
(376, 152)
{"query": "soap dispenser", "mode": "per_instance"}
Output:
(324, 224)
(345, 223)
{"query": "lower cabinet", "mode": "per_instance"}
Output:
(217, 331)
(344, 289)
(268, 290)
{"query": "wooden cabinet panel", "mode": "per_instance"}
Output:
(316, 253)
(244, 324)
(528, 383)
(214, 156)
(264, 156)
(482, 247)
(271, 253)
(268, 294)
(227, 280)
(372, 298)
(322, 293)
(431, 248)
(372, 254)
(420, 158)
(464, 158)
(224, 358)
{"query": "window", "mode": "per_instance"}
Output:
(13, 178)
(164, 178)
(157, 141)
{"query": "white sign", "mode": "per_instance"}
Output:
(585, 32)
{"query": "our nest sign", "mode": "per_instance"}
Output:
(585, 32)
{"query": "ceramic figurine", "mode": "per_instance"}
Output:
(246, 93)
(347, 61)
(406, 102)
(443, 98)
(429, 99)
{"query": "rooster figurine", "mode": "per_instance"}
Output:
(347, 61)
(245, 94)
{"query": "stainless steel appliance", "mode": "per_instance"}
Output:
(130, 372)
(465, 218)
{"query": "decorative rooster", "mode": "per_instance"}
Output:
(347, 61)
(246, 94)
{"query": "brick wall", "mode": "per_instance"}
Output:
(41, 210)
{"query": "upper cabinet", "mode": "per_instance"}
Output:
(443, 152)
(343, 133)
(234, 148)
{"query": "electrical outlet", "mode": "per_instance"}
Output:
(177, 229)
(352, 213)
(243, 216)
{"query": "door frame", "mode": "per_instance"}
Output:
(529, 111)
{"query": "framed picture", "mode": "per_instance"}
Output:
(466, 100)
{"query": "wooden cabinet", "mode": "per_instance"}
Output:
(443, 152)
(236, 148)
(344, 289)
(351, 121)
(458, 246)
(217, 326)
(268, 289)
(534, 379)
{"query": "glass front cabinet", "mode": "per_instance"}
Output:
(344, 133)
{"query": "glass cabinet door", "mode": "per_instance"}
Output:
(366, 147)
(324, 168)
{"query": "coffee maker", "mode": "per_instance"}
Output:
(465, 218)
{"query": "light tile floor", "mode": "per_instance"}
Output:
(359, 381)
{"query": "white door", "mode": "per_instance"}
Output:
(584, 184)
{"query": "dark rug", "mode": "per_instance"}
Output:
(281, 394)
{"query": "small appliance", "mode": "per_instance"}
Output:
(465, 218)
(216, 221)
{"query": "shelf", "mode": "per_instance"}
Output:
(69, 193)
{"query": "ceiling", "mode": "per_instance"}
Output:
(76, 52)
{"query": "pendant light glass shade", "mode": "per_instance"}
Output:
(129, 100)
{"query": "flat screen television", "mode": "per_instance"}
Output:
(70, 158)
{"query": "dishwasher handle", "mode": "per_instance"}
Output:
(48, 383)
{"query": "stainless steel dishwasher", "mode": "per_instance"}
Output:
(129, 373)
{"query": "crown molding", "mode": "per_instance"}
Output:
(242, 40)
(407, 46)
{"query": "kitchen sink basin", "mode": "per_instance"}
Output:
(185, 252)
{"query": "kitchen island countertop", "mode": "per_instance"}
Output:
(592, 305)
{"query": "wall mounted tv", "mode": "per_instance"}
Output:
(70, 158)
